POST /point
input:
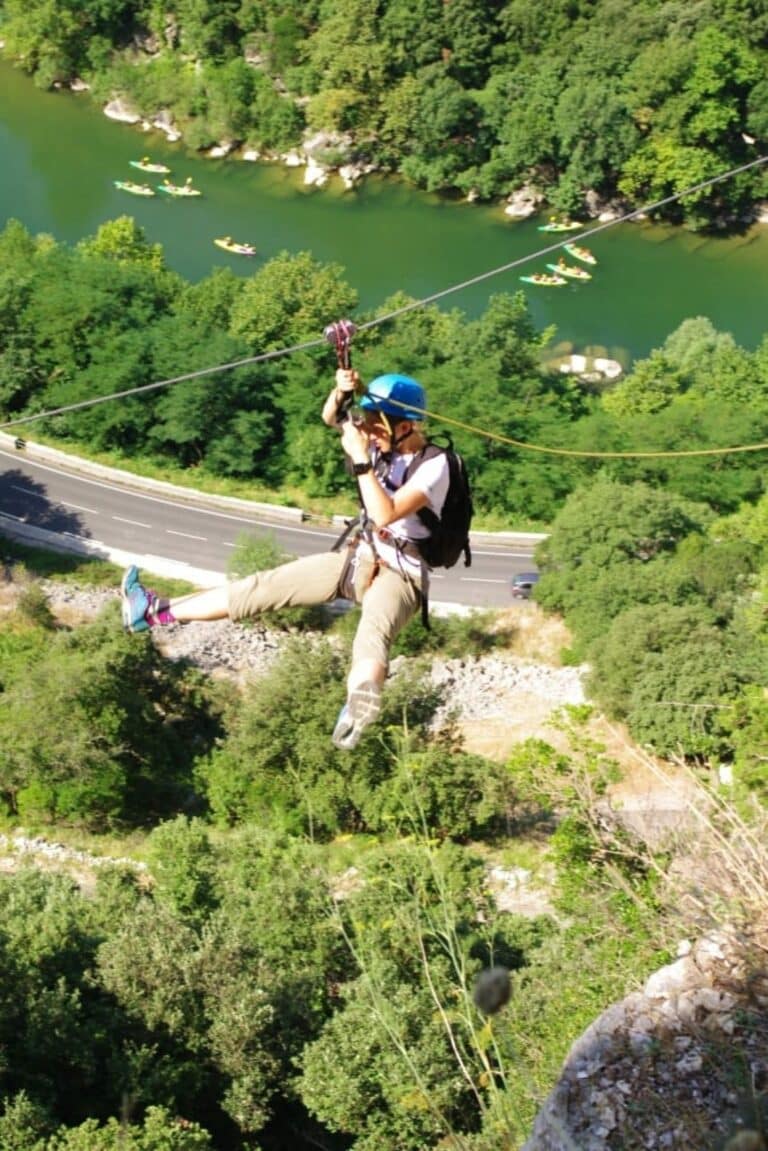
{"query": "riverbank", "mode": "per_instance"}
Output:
(61, 156)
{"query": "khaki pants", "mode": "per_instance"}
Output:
(387, 605)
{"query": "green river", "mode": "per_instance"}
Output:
(61, 156)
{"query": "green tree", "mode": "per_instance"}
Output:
(276, 766)
(618, 659)
(183, 866)
(681, 703)
(604, 525)
(160, 1131)
(23, 1124)
(123, 240)
(649, 387)
(288, 301)
(118, 743)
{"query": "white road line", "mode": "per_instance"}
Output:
(79, 508)
(476, 579)
(186, 535)
(504, 554)
(227, 544)
(25, 491)
(133, 523)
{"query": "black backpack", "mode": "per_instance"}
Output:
(449, 532)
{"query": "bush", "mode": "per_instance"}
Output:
(277, 765)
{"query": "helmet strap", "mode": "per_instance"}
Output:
(396, 441)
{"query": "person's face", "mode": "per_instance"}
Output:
(381, 430)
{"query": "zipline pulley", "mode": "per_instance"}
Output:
(340, 335)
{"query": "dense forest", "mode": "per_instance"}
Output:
(287, 956)
(608, 97)
(107, 316)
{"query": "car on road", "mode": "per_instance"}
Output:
(523, 584)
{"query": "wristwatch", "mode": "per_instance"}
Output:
(361, 469)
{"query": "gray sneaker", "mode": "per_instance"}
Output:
(361, 709)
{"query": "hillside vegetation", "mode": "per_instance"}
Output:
(298, 965)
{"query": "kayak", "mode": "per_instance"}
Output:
(543, 280)
(230, 245)
(578, 253)
(178, 189)
(134, 189)
(570, 226)
(148, 166)
(570, 271)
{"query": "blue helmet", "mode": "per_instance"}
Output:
(395, 395)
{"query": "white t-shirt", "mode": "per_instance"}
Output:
(432, 478)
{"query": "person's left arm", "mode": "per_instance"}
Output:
(381, 506)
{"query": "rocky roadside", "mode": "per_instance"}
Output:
(488, 688)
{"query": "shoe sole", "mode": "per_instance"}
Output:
(361, 709)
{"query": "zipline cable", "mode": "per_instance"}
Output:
(311, 344)
(583, 454)
(571, 239)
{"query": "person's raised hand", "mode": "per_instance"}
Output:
(354, 441)
(347, 379)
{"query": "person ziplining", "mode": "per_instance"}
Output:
(378, 563)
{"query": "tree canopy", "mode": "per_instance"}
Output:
(478, 95)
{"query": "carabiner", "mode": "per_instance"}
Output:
(340, 335)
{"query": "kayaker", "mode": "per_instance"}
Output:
(379, 567)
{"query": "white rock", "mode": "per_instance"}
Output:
(218, 151)
(669, 980)
(316, 174)
(523, 202)
(117, 110)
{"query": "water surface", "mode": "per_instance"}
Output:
(61, 156)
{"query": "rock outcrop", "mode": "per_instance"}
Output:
(678, 1066)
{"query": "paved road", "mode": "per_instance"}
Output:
(156, 526)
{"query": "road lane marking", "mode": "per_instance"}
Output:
(79, 508)
(133, 523)
(61, 503)
(477, 579)
(186, 535)
(178, 504)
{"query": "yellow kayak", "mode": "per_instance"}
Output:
(146, 165)
(178, 189)
(230, 245)
(544, 281)
(134, 189)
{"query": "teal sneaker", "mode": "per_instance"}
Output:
(135, 601)
(361, 709)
